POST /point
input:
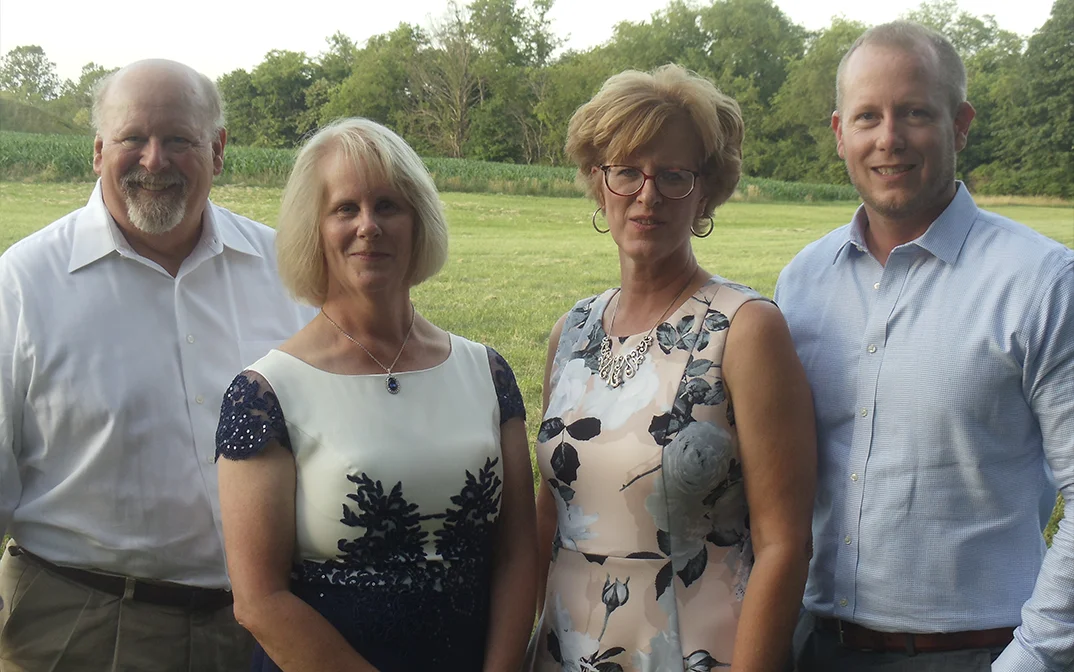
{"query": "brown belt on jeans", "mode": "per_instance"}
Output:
(861, 638)
(189, 598)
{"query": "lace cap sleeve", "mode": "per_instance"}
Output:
(507, 392)
(250, 418)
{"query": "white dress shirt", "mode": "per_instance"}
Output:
(111, 377)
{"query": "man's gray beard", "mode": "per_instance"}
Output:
(154, 215)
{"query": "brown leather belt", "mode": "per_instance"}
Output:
(189, 598)
(861, 638)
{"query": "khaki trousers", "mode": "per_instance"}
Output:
(51, 624)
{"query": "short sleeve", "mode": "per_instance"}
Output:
(507, 392)
(250, 419)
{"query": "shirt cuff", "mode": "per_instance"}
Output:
(1016, 658)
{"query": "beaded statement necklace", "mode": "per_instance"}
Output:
(391, 382)
(615, 369)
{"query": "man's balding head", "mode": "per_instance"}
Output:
(160, 80)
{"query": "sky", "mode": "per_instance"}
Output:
(218, 36)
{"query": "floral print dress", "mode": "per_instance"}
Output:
(652, 551)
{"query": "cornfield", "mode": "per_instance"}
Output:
(34, 157)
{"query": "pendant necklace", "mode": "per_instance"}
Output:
(614, 369)
(391, 382)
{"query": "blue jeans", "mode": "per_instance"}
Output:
(821, 652)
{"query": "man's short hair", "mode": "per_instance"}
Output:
(910, 37)
(211, 99)
(378, 154)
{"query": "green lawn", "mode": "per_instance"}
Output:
(519, 262)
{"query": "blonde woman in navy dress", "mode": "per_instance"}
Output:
(375, 487)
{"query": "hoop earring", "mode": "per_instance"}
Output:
(595, 228)
(712, 225)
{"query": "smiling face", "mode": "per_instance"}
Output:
(897, 133)
(155, 151)
(649, 227)
(367, 229)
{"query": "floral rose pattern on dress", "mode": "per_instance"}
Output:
(396, 506)
(652, 551)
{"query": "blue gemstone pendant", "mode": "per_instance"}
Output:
(392, 383)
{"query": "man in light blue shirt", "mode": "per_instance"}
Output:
(939, 343)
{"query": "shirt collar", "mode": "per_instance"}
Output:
(943, 239)
(223, 232)
(97, 235)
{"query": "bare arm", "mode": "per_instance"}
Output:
(546, 503)
(777, 442)
(514, 565)
(257, 506)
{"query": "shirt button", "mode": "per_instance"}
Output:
(876, 285)
(200, 399)
(864, 412)
(211, 459)
(190, 338)
(872, 349)
(843, 602)
(854, 477)
(846, 540)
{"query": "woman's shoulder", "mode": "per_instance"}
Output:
(727, 297)
(580, 313)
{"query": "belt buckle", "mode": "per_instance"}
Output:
(129, 586)
(911, 650)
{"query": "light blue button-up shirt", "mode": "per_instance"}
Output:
(943, 381)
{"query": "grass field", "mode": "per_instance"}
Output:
(519, 262)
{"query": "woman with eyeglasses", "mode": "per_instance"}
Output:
(677, 448)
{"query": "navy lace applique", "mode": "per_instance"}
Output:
(507, 392)
(250, 418)
(383, 594)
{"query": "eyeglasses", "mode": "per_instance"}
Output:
(675, 183)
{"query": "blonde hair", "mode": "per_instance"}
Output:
(633, 107)
(913, 38)
(379, 154)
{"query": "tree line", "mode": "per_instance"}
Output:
(489, 81)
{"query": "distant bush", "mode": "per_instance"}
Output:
(997, 179)
(68, 158)
(19, 116)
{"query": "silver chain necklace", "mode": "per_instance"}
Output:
(615, 369)
(391, 382)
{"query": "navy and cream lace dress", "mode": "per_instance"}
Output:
(397, 496)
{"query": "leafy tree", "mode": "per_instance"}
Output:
(800, 121)
(514, 43)
(672, 35)
(446, 85)
(559, 89)
(27, 73)
(1035, 127)
(337, 63)
(378, 85)
(280, 83)
(75, 100)
(239, 94)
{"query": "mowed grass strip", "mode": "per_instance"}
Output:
(517, 263)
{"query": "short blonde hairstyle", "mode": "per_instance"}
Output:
(378, 154)
(913, 38)
(633, 107)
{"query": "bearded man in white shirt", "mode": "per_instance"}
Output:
(121, 326)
